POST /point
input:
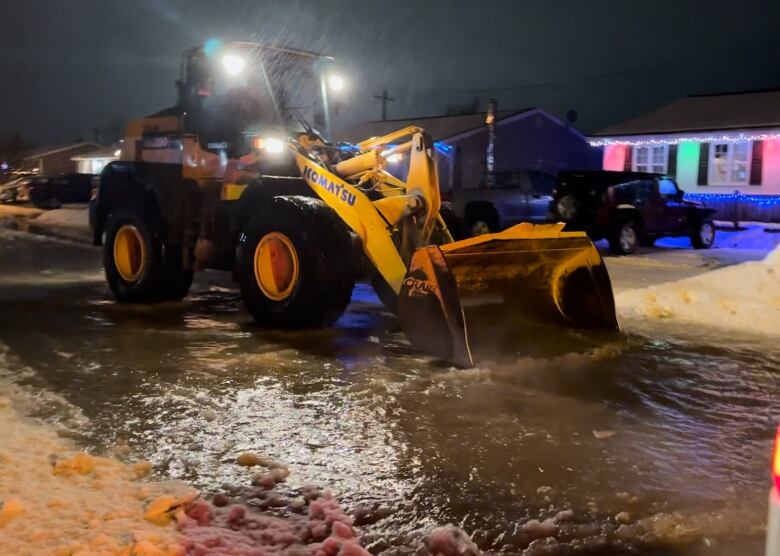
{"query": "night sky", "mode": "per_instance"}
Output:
(71, 65)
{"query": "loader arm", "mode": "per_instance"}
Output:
(410, 208)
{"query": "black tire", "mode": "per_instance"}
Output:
(480, 220)
(321, 291)
(160, 277)
(567, 209)
(624, 238)
(454, 224)
(703, 234)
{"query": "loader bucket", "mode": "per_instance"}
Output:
(518, 280)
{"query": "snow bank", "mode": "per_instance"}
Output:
(75, 218)
(744, 299)
(57, 501)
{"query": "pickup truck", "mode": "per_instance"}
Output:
(512, 197)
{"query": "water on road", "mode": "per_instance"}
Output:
(657, 446)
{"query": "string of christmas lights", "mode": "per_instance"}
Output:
(764, 201)
(737, 137)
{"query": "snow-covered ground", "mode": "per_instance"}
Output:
(57, 500)
(742, 301)
(70, 216)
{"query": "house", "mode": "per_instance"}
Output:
(529, 139)
(93, 162)
(712, 144)
(55, 160)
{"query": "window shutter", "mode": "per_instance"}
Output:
(671, 163)
(704, 163)
(627, 160)
(756, 163)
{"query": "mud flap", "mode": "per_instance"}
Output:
(504, 284)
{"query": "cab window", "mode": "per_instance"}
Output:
(644, 191)
(624, 193)
(667, 188)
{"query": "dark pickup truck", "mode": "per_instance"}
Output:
(51, 192)
(513, 197)
(630, 209)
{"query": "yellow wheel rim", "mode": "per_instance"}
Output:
(276, 266)
(129, 253)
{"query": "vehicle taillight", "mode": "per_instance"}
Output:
(776, 461)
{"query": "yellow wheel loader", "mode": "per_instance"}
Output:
(234, 177)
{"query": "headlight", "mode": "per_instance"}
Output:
(273, 145)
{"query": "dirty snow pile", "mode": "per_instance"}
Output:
(57, 501)
(743, 299)
(76, 218)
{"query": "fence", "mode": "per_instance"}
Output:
(741, 208)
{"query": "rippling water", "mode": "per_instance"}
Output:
(599, 425)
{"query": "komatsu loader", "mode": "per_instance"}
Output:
(236, 177)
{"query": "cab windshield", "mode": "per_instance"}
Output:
(243, 91)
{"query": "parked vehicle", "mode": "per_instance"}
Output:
(52, 192)
(630, 209)
(16, 190)
(513, 197)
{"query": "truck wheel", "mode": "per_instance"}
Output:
(624, 239)
(480, 221)
(567, 208)
(703, 234)
(134, 259)
(295, 264)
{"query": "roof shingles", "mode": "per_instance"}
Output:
(753, 110)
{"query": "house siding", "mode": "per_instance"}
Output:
(688, 158)
(535, 142)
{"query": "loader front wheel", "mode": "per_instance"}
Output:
(139, 266)
(295, 264)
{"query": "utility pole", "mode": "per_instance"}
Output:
(490, 155)
(385, 99)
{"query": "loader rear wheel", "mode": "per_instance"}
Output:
(139, 267)
(295, 264)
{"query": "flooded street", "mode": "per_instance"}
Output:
(657, 445)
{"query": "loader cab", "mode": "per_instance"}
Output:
(234, 96)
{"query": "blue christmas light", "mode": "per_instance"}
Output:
(443, 147)
(767, 201)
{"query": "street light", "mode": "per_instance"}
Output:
(336, 83)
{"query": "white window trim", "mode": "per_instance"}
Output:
(648, 167)
(729, 161)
